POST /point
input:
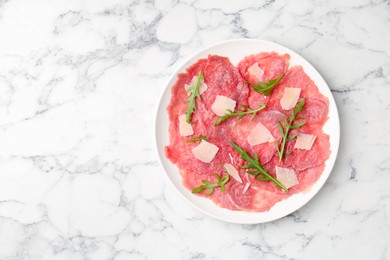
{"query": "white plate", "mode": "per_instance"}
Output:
(236, 50)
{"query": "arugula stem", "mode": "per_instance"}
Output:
(196, 139)
(253, 163)
(283, 145)
(192, 99)
(266, 88)
(221, 181)
(288, 125)
(240, 113)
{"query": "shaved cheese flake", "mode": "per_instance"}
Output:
(286, 176)
(247, 176)
(304, 141)
(205, 151)
(256, 71)
(246, 187)
(231, 158)
(259, 135)
(232, 172)
(185, 128)
(222, 104)
(202, 87)
(290, 98)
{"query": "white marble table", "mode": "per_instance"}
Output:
(79, 86)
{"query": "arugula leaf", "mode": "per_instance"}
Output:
(196, 139)
(195, 94)
(240, 113)
(288, 125)
(256, 167)
(221, 181)
(266, 88)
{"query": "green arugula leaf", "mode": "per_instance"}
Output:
(221, 181)
(192, 98)
(266, 88)
(256, 167)
(288, 125)
(196, 139)
(240, 113)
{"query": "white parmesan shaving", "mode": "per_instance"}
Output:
(246, 187)
(205, 151)
(202, 87)
(222, 104)
(247, 176)
(304, 141)
(185, 128)
(256, 71)
(259, 135)
(232, 172)
(231, 158)
(286, 176)
(290, 98)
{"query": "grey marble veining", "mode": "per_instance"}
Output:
(79, 87)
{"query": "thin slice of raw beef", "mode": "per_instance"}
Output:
(271, 63)
(243, 128)
(303, 159)
(295, 77)
(222, 78)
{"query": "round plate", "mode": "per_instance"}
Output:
(236, 50)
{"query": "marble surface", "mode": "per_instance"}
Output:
(79, 87)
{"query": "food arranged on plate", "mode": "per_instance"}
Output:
(247, 136)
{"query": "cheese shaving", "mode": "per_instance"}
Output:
(231, 158)
(304, 141)
(232, 172)
(256, 71)
(185, 128)
(259, 135)
(246, 187)
(205, 151)
(290, 98)
(222, 104)
(202, 87)
(286, 176)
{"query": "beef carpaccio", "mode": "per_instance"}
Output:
(226, 86)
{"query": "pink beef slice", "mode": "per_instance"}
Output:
(240, 200)
(315, 113)
(192, 180)
(303, 159)
(307, 178)
(265, 195)
(273, 65)
(261, 196)
(295, 77)
(222, 78)
(263, 200)
(244, 126)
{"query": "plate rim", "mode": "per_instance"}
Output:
(165, 92)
